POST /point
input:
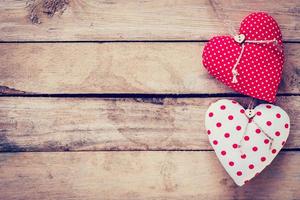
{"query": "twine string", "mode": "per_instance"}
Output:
(231, 29)
(242, 139)
(271, 139)
(218, 8)
(252, 103)
(267, 135)
(234, 71)
(219, 11)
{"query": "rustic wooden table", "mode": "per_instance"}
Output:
(106, 100)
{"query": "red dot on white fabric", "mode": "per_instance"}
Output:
(223, 153)
(266, 141)
(258, 113)
(226, 135)
(286, 125)
(254, 148)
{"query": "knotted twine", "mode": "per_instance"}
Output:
(220, 13)
(234, 70)
(251, 119)
(231, 29)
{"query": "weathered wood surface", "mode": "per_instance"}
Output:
(106, 129)
(139, 175)
(76, 124)
(119, 68)
(35, 20)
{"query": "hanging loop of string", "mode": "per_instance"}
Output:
(271, 139)
(251, 106)
(234, 71)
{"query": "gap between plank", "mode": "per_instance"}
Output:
(119, 41)
(134, 95)
(135, 150)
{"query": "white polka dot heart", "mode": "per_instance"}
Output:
(251, 62)
(246, 141)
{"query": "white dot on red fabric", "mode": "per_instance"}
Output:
(261, 65)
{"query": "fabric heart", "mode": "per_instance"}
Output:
(246, 145)
(258, 57)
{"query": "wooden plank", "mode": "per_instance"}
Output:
(139, 175)
(119, 68)
(76, 124)
(74, 20)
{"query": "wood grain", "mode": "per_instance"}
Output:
(127, 148)
(79, 20)
(76, 124)
(139, 175)
(119, 68)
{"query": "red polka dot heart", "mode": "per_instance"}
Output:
(246, 143)
(258, 70)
